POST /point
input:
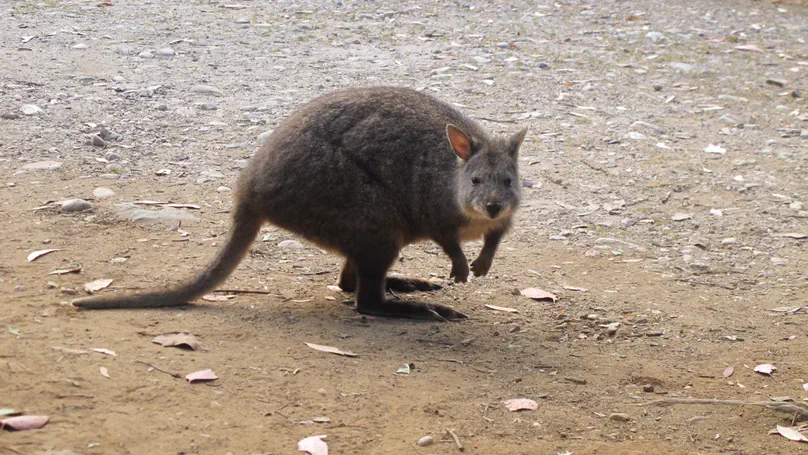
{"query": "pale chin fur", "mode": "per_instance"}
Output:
(474, 213)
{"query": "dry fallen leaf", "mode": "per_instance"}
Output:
(793, 235)
(330, 349)
(149, 203)
(38, 254)
(66, 271)
(521, 404)
(574, 288)
(105, 372)
(69, 350)
(97, 285)
(765, 368)
(729, 372)
(791, 434)
(204, 375)
(538, 294)
(314, 445)
(749, 47)
(21, 423)
(179, 339)
(105, 351)
(501, 308)
(218, 298)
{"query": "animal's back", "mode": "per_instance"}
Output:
(367, 158)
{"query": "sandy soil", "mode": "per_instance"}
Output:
(633, 226)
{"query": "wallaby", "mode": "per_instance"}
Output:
(362, 172)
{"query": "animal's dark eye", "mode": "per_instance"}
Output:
(475, 181)
(508, 182)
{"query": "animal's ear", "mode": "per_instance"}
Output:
(461, 144)
(516, 141)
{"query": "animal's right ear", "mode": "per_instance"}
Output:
(461, 144)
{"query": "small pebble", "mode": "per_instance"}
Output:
(9, 116)
(81, 46)
(75, 205)
(96, 141)
(543, 65)
(223, 189)
(146, 54)
(31, 109)
(655, 37)
(425, 441)
(52, 285)
(166, 52)
(161, 107)
(43, 166)
(263, 136)
(648, 388)
(290, 245)
(636, 136)
(207, 90)
(102, 193)
(619, 417)
(118, 260)
(657, 87)
(108, 135)
(208, 107)
(776, 82)
(796, 94)
(69, 291)
(112, 156)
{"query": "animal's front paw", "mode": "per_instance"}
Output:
(481, 265)
(460, 271)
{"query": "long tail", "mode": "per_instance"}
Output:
(244, 229)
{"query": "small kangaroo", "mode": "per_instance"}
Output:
(363, 172)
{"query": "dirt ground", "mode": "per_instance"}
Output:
(668, 242)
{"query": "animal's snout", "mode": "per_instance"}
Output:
(493, 208)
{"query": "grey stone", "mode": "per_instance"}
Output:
(31, 109)
(683, 67)
(102, 193)
(43, 166)
(165, 52)
(75, 205)
(655, 37)
(207, 90)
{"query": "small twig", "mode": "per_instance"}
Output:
(456, 439)
(595, 168)
(467, 364)
(795, 408)
(243, 291)
(496, 120)
(175, 375)
(706, 283)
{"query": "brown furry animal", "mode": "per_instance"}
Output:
(363, 172)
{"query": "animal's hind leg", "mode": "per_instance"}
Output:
(371, 266)
(409, 284)
(347, 278)
(347, 281)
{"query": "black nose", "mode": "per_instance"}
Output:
(493, 209)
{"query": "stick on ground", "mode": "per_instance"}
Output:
(797, 408)
(456, 439)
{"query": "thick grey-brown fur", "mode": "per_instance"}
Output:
(363, 172)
